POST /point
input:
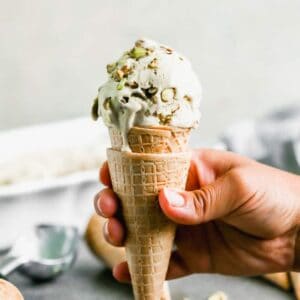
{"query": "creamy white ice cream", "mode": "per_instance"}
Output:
(150, 85)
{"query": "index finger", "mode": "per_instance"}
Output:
(104, 175)
(209, 164)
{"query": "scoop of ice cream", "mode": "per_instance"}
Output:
(150, 85)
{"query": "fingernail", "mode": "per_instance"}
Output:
(174, 198)
(105, 231)
(97, 205)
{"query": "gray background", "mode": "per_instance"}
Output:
(53, 53)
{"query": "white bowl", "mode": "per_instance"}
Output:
(53, 170)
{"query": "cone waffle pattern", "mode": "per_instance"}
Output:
(152, 139)
(137, 179)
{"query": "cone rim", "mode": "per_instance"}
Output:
(151, 156)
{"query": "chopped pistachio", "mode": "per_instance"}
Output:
(121, 84)
(138, 95)
(164, 119)
(149, 92)
(153, 64)
(138, 52)
(152, 90)
(119, 74)
(107, 103)
(181, 58)
(133, 84)
(168, 94)
(139, 43)
(154, 99)
(187, 98)
(167, 50)
(147, 113)
(94, 112)
(111, 67)
(149, 50)
(126, 70)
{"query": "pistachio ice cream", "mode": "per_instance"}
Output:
(150, 85)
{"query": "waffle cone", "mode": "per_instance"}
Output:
(106, 252)
(295, 278)
(137, 178)
(160, 139)
(280, 279)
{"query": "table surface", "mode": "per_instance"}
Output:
(90, 280)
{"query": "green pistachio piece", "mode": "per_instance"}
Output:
(138, 52)
(111, 67)
(121, 84)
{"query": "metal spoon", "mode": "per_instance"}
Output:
(42, 254)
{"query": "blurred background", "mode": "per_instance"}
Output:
(53, 54)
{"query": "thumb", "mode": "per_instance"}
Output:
(213, 201)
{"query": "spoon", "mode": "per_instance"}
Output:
(42, 254)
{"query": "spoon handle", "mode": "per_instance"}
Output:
(9, 264)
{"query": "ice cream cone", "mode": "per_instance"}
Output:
(280, 279)
(156, 139)
(137, 178)
(150, 102)
(104, 251)
(295, 278)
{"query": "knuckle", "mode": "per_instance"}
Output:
(203, 201)
(281, 252)
(239, 181)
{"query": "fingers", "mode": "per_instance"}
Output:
(121, 272)
(114, 232)
(104, 175)
(106, 203)
(209, 164)
(218, 160)
(213, 201)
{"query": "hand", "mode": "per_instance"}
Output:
(237, 217)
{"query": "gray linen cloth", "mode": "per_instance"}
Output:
(273, 140)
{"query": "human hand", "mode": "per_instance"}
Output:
(237, 217)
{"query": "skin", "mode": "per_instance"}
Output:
(236, 217)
